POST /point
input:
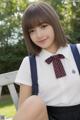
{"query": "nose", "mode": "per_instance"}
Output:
(39, 33)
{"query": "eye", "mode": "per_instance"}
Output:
(44, 25)
(31, 30)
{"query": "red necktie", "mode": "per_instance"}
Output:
(58, 67)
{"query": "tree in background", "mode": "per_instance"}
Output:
(69, 12)
(12, 48)
(10, 20)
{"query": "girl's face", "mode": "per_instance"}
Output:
(43, 36)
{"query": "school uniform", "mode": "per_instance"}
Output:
(59, 94)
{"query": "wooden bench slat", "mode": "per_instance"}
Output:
(8, 80)
(14, 94)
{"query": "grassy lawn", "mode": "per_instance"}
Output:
(7, 108)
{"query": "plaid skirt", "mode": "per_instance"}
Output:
(64, 113)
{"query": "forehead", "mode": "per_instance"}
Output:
(36, 21)
(36, 17)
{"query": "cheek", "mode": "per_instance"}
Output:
(53, 34)
(32, 37)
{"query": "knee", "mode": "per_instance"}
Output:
(32, 108)
(35, 102)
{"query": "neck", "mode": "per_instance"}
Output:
(53, 49)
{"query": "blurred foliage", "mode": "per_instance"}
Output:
(12, 48)
(69, 13)
(10, 20)
(11, 57)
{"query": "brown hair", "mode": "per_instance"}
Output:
(35, 14)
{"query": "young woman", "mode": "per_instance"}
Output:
(58, 97)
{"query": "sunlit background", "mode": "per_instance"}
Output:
(33, 0)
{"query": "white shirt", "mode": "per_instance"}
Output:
(64, 91)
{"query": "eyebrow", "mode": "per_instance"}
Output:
(38, 25)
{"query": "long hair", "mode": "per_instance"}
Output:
(34, 15)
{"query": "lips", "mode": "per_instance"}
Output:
(43, 40)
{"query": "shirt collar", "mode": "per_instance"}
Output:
(44, 54)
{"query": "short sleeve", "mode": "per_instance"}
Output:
(24, 75)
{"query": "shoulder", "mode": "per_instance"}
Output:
(25, 59)
(25, 62)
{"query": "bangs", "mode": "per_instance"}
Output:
(35, 17)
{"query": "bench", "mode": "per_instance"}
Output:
(7, 79)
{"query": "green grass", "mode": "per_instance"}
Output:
(7, 107)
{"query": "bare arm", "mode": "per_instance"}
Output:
(25, 92)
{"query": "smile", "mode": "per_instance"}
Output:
(43, 40)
